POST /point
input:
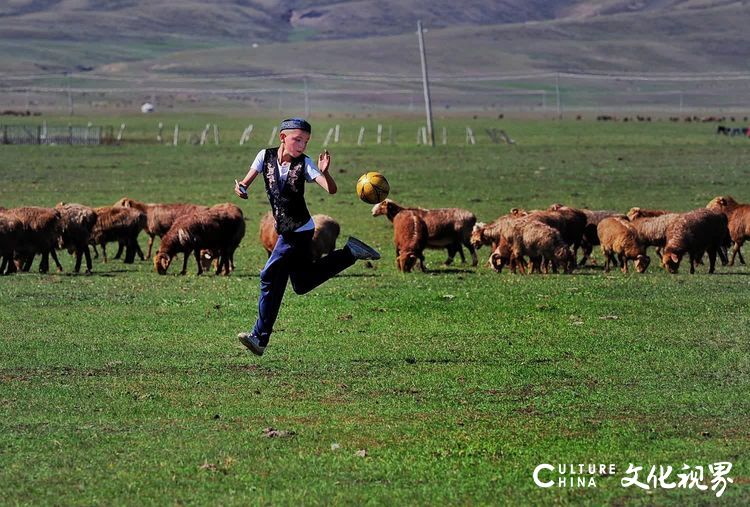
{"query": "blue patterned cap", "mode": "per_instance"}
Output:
(295, 123)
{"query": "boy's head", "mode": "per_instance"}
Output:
(294, 134)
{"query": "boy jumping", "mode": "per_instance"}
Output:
(285, 170)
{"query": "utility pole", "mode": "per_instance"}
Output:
(425, 83)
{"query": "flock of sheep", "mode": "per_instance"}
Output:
(538, 240)
(528, 241)
(209, 233)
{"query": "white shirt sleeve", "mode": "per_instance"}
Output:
(257, 164)
(311, 170)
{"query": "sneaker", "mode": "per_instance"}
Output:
(361, 250)
(252, 342)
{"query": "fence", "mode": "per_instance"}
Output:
(42, 134)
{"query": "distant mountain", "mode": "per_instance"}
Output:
(243, 21)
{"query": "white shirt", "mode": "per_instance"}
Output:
(311, 172)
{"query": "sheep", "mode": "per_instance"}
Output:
(114, 223)
(571, 223)
(77, 222)
(10, 231)
(540, 241)
(634, 213)
(324, 238)
(590, 235)
(219, 229)
(738, 216)
(618, 237)
(159, 217)
(410, 235)
(492, 234)
(447, 227)
(696, 232)
(40, 228)
(652, 229)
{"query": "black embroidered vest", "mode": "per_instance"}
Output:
(287, 202)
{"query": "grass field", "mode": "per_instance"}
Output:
(125, 387)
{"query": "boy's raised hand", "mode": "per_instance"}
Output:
(324, 161)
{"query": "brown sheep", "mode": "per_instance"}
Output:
(410, 237)
(693, 233)
(114, 223)
(634, 213)
(77, 222)
(540, 242)
(159, 217)
(324, 238)
(218, 229)
(447, 227)
(738, 216)
(590, 236)
(619, 241)
(40, 228)
(571, 223)
(10, 232)
(652, 230)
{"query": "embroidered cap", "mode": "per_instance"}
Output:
(295, 123)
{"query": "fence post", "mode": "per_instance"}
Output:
(361, 136)
(216, 134)
(159, 138)
(380, 133)
(204, 134)
(424, 135)
(273, 137)
(336, 134)
(246, 134)
(445, 135)
(176, 137)
(328, 137)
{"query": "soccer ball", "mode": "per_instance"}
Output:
(372, 187)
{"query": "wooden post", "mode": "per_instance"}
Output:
(159, 138)
(424, 137)
(246, 134)
(380, 133)
(204, 134)
(336, 134)
(176, 137)
(425, 84)
(445, 136)
(470, 136)
(272, 139)
(119, 134)
(216, 134)
(361, 136)
(328, 137)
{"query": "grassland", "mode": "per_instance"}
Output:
(129, 388)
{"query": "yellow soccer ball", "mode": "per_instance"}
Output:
(372, 187)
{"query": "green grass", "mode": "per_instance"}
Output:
(129, 388)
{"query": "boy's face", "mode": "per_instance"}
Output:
(294, 141)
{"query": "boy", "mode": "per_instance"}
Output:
(285, 170)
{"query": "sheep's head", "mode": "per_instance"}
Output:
(641, 263)
(722, 203)
(407, 261)
(564, 258)
(671, 262)
(555, 207)
(161, 263)
(518, 212)
(206, 256)
(381, 208)
(125, 202)
(634, 213)
(477, 235)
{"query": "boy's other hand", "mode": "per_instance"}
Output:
(324, 161)
(240, 190)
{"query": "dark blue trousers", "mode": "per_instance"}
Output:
(291, 258)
